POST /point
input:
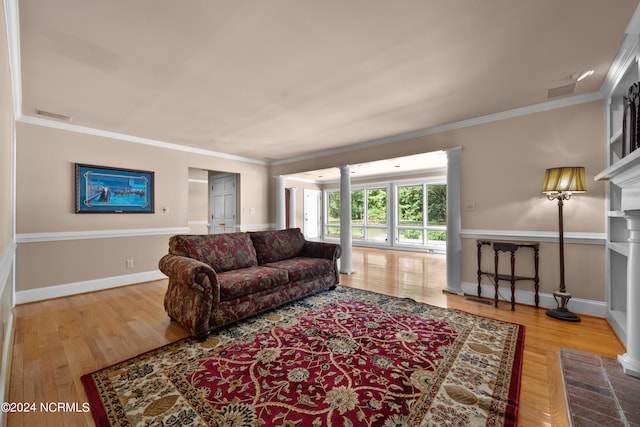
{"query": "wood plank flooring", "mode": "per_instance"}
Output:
(57, 341)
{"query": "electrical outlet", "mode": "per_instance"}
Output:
(469, 206)
(130, 263)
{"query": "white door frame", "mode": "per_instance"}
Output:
(222, 188)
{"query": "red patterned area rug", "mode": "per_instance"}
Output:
(340, 358)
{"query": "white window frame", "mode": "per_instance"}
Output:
(392, 226)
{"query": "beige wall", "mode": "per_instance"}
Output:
(45, 204)
(502, 165)
(198, 209)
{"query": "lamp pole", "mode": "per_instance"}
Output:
(561, 296)
(561, 239)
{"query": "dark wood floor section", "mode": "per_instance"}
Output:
(598, 392)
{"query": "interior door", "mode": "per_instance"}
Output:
(223, 204)
(312, 216)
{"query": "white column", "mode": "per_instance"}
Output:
(346, 266)
(292, 207)
(630, 361)
(454, 244)
(281, 205)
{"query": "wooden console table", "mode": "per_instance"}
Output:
(511, 247)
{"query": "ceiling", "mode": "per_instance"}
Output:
(280, 79)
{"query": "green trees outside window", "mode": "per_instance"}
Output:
(421, 212)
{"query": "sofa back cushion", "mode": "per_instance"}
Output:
(223, 252)
(274, 246)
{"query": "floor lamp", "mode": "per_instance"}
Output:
(560, 184)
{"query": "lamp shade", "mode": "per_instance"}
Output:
(564, 180)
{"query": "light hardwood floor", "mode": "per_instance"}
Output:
(57, 341)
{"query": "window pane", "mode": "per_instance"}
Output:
(437, 205)
(357, 207)
(333, 207)
(439, 236)
(357, 233)
(376, 234)
(377, 206)
(410, 236)
(410, 205)
(333, 232)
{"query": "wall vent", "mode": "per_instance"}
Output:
(53, 115)
(561, 91)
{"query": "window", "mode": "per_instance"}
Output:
(332, 226)
(412, 214)
(422, 214)
(368, 214)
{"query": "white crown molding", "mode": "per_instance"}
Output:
(135, 139)
(541, 236)
(537, 108)
(623, 60)
(97, 234)
(57, 291)
(577, 305)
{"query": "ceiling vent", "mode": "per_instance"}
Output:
(53, 115)
(561, 91)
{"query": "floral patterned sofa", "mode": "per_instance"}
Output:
(216, 279)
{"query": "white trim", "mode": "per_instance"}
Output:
(97, 234)
(623, 60)
(135, 139)
(198, 181)
(542, 236)
(255, 227)
(7, 357)
(536, 108)
(6, 262)
(577, 305)
(57, 291)
(308, 181)
(7, 275)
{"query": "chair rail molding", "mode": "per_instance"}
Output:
(97, 234)
(540, 236)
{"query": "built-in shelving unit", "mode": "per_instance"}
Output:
(622, 256)
(617, 249)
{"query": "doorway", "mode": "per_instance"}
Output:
(223, 203)
(312, 214)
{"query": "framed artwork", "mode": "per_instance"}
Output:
(101, 189)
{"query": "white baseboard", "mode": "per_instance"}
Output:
(577, 305)
(57, 291)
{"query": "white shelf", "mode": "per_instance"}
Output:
(620, 248)
(617, 136)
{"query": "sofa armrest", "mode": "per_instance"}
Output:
(190, 273)
(324, 250)
(192, 293)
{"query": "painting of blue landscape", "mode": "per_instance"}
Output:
(101, 189)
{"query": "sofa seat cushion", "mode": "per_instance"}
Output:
(245, 281)
(278, 245)
(303, 268)
(223, 252)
